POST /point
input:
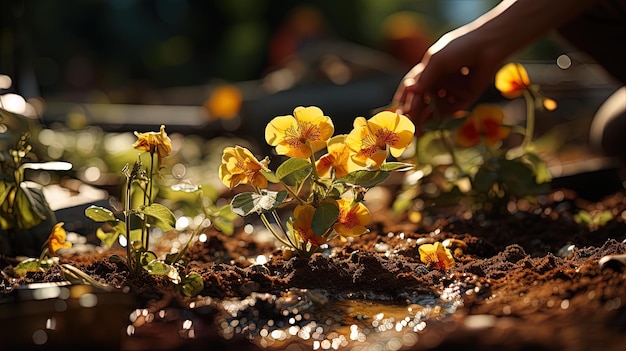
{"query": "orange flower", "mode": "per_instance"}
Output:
(436, 255)
(56, 240)
(300, 135)
(336, 158)
(154, 142)
(239, 166)
(353, 217)
(302, 226)
(484, 122)
(372, 140)
(224, 102)
(511, 80)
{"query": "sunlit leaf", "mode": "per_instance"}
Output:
(28, 265)
(161, 216)
(192, 285)
(146, 258)
(397, 166)
(107, 238)
(364, 178)
(604, 217)
(99, 214)
(293, 171)
(270, 176)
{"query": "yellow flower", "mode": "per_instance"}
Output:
(511, 80)
(300, 135)
(436, 255)
(353, 217)
(239, 166)
(336, 158)
(484, 122)
(302, 225)
(154, 142)
(372, 140)
(56, 240)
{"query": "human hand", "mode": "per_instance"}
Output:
(453, 73)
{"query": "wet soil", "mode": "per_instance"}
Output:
(527, 280)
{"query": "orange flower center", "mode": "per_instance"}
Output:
(386, 137)
(348, 218)
(368, 146)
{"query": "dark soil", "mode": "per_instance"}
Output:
(528, 280)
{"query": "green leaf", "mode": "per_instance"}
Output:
(26, 207)
(271, 177)
(192, 285)
(542, 174)
(157, 267)
(603, 218)
(5, 190)
(161, 216)
(582, 217)
(364, 178)
(246, 203)
(107, 238)
(146, 258)
(397, 166)
(519, 178)
(293, 171)
(484, 180)
(28, 265)
(325, 216)
(99, 214)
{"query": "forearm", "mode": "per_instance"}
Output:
(513, 24)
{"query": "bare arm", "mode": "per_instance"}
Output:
(459, 66)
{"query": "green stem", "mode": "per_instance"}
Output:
(278, 222)
(530, 118)
(193, 235)
(268, 225)
(293, 194)
(145, 230)
(448, 145)
(129, 253)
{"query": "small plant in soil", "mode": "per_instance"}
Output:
(325, 192)
(140, 214)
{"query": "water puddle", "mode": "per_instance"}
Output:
(299, 319)
(321, 321)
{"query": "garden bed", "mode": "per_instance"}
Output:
(530, 279)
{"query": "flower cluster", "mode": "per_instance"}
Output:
(475, 156)
(327, 192)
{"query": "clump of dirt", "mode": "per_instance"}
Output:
(530, 280)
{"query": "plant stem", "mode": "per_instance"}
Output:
(448, 145)
(145, 220)
(278, 221)
(268, 225)
(193, 234)
(129, 256)
(530, 118)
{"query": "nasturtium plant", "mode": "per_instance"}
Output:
(135, 223)
(474, 155)
(323, 194)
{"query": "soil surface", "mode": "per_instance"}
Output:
(528, 280)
